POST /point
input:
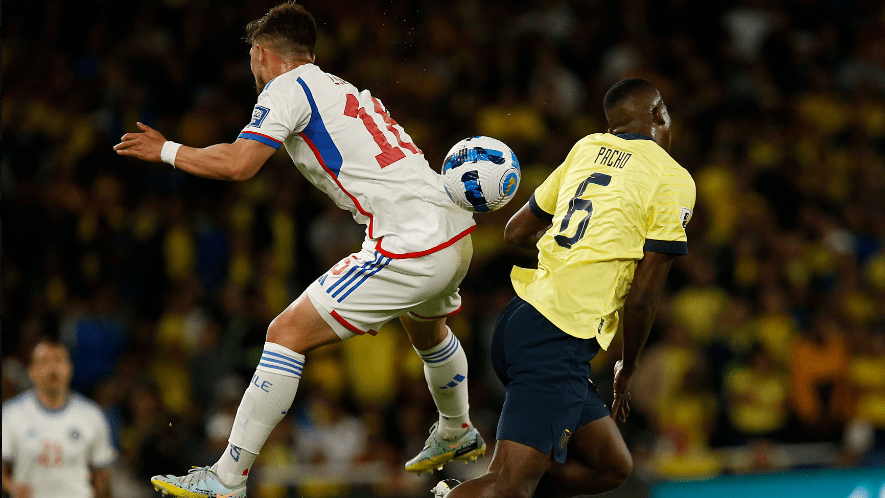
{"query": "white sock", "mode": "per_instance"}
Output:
(445, 368)
(267, 399)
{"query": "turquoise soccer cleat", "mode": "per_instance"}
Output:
(200, 482)
(438, 451)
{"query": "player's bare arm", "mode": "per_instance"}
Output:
(101, 482)
(13, 488)
(525, 229)
(639, 315)
(237, 161)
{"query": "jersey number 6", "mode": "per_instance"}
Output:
(389, 152)
(577, 204)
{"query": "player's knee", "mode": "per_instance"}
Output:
(285, 335)
(618, 470)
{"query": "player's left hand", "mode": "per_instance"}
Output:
(145, 146)
(621, 405)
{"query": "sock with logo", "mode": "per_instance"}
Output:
(445, 368)
(267, 399)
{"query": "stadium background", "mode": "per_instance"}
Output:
(768, 352)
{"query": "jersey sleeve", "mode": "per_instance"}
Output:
(276, 116)
(669, 211)
(102, 452)
(543, 201)
(8, 438)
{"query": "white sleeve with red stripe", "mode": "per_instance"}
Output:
(277, 115)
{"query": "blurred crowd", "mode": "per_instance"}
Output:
(772, 331)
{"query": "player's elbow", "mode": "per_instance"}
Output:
(514, 236)
(511, 237)
(241, 172)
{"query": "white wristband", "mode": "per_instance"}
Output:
(168, 152)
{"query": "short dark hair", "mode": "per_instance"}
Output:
(624, 89)
(289, 25)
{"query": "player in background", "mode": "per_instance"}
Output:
(416, 252)
(607, 224)
(55, 442)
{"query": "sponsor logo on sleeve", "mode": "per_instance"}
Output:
(258, 115)
(685, 215)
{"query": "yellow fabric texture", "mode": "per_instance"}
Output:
(637, 193)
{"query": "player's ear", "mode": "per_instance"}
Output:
(262, 54)
(657, 114)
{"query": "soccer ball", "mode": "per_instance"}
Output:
(481, 174)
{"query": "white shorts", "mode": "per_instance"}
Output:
(367, 289)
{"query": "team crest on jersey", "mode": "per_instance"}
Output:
(31, 433)
(74, 433)
(258, 115)
(563, 440)
(685, 215)
(337, 80)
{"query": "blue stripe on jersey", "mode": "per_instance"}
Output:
(342, 279)
(261, 138)
(362, 269)
(275, 367)
(379, 266)
(317, 133)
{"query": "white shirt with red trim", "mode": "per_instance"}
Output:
(345, 142)
(54, 450)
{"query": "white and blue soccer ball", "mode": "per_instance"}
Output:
(481, 174)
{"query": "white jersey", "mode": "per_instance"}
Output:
(344, 142)
(53, 451)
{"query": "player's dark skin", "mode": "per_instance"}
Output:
(598, 460)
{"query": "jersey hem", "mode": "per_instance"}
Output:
(555, 321)
(259, 137)
(422, 317)
(349, 326)
(675, 247)
(103, 465)
(418, 254)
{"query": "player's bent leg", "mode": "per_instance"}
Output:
(453, 437)
(598, 461)
(514, 472)
(265, 402)
(301, 328)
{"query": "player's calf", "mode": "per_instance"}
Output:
(445, 368)
(574, 478)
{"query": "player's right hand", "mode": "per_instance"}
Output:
(22, 490)
(621, 405)
(145, 146)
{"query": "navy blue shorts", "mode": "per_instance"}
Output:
(547, 376)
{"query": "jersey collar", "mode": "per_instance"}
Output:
(634, 136)
(48, 410)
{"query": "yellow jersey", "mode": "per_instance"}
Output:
(614, 197)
